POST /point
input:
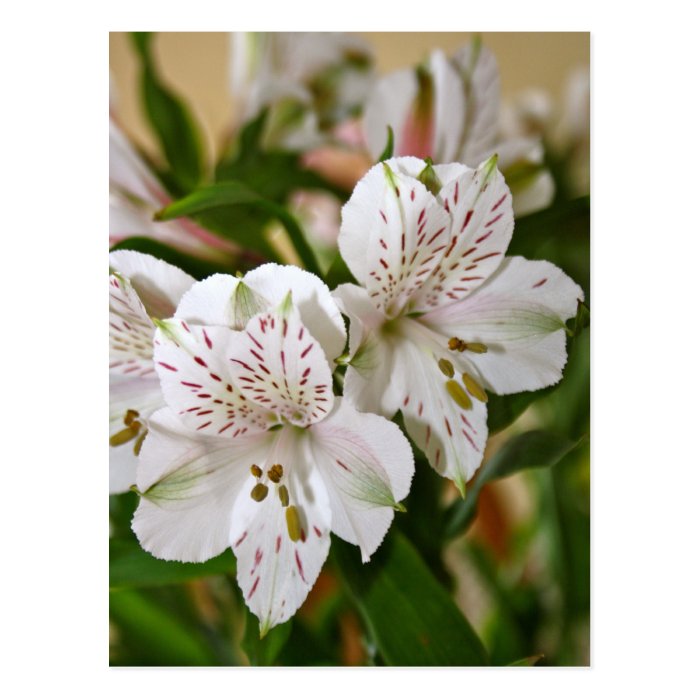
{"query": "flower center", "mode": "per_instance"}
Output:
(134, 430)
(274, 479)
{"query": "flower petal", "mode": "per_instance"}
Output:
(392, 232)
(368, 383)
(139, 394)
(519, 315)
(278, 364)
(190, 483)
(277, 563)
(480, 206)
(158, 284)
(367, 466)
(199, 383)
(451, 436)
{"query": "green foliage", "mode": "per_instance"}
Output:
(170, 120)
(411, 618)
(263, 652)
(533, 449)
(388, 151)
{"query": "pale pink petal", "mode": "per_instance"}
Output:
(367, 465)
(519, 315)
(280, 366)
(199, 383)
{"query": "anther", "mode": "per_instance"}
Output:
(475, 347)
(275, 473)
(139, 442)
(474, 388)
(455, 344)
(460, 346)
(256, 471)
(293, 527)
(458, 395)
(259, 492)
(446, 367)
(284, 495)
(130, 416)
(123, 436)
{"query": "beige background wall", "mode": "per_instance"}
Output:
(196, 64)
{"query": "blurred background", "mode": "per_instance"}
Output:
(520, 570)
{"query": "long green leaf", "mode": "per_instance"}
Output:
(170, 119)
(411, 618)
(132, 567)
(222, 194)
(536, 448)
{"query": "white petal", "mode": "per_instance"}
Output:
(279, 365)
(158, 284)
(190, 483)
(452, 437)
(389, 104)
(392, 232)
(140, 394)
(130, 331)
(519, 314)
(367, 466)
(480, 206)
(199, 383)
(274, 572)
(480, 72)
(368, 378)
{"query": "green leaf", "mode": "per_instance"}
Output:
(388, 151)
(504, 410)
(152, 635)
(199, 269)
(580, 322)
(263, 652)
(536, 448)
(412, 619)
(528, 660)
(170, 120)
(132, 567)
(222, 194)
(338, 273)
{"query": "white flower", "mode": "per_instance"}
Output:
(448, 110)
(135, 195)
(441, 313)
(253, 451)
(311, 81)
(140, 288)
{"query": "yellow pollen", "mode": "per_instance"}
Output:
(256, 471)
(460, 346)
(446, 367)
(275, 473)
(284, 495)
(455, 344)
(130, 416)
(139, 442)
(293, 527)
(123, 436)
(458, 395)
(474, 388)
(259, 492)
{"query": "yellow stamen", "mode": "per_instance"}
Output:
(123, 436)
(284, 495)
(474, 388)
(259, 492)
(475, 347)
(460, 346)
(446, 367)
(256, 471)
(275, 473)
(139, 442)
(455, 344)
(130, 416)
(459, 396)
(293, 526)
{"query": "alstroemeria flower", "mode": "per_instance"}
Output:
(441, 314)
(253, 451)
(135, 195)
(140, 288)
(448, 110)
(310, 81)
